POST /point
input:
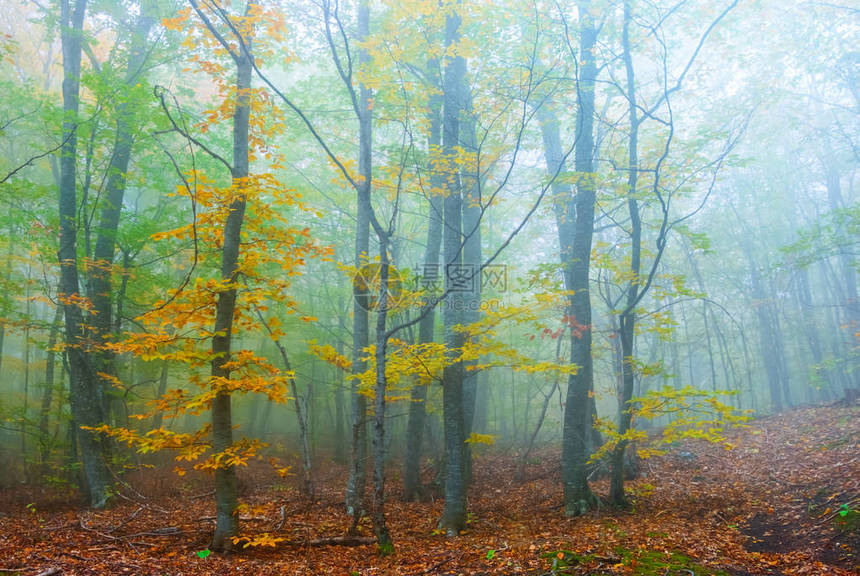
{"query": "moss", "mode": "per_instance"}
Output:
(641, 562)
(659, 563)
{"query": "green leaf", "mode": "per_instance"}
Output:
(491, 554)
(204, 553)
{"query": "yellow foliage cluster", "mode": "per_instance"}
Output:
(694, 414)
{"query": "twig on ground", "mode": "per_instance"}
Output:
(438, 565)
(126, 520)
(283, 519)
(342, 541)
(204, 495)
(114, 538)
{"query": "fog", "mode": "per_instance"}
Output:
(406, 238)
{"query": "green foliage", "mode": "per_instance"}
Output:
(827, 237)
(848, 517)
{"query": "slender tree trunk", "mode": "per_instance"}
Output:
(158, 418)
(48, 393)
(301, 407)
(769, 340)
(472, 211)
(84, 391)
(564, 209)
(820, 374)
(339, 411)
(520, 473)
(454, 514)
(355, 490)
(384, 544)
(226, 491)
(578, 497)
(418, 395)
(100, 285)
(700, 283)
(26, 406)
(848, 284)
(7, 277)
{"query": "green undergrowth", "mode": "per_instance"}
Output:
(642, 562)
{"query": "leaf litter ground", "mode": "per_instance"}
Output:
(783, 502)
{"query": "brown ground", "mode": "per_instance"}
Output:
(771, 506)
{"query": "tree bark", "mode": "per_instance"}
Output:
(770, 336)
(454, 514)
(226, 491)
(418, 395)
(578, 497)
(472, 211)
(86, 402)
(627, 319)
(848, 273)
(384, 544)
(355, 491)
(100, 284)
(48, 392)
(339, 412)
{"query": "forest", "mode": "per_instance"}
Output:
(450, 287)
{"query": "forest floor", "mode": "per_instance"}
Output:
(783, 502)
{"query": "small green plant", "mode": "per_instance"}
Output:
(203, 554)
(491, 554)
(562, 559)
(848, 518)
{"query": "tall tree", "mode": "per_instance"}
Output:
(578, 497)
(226, 490)
(85, 390)
(639, 284)
(355, 492)
(418, 394)
(100, 289)
(453, 90)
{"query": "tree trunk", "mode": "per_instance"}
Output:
(418, 395)
(7, 277)
(578, 497)
(820, 375)
(770, 339)
(384, 544)
(472, 211)
(848, 273)
(226, 492)
(520, 474)
(339, 412)
(48, 393)
(100, 285)
(158, 417)
(355, 490)
(454, 514)
(84, 391)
